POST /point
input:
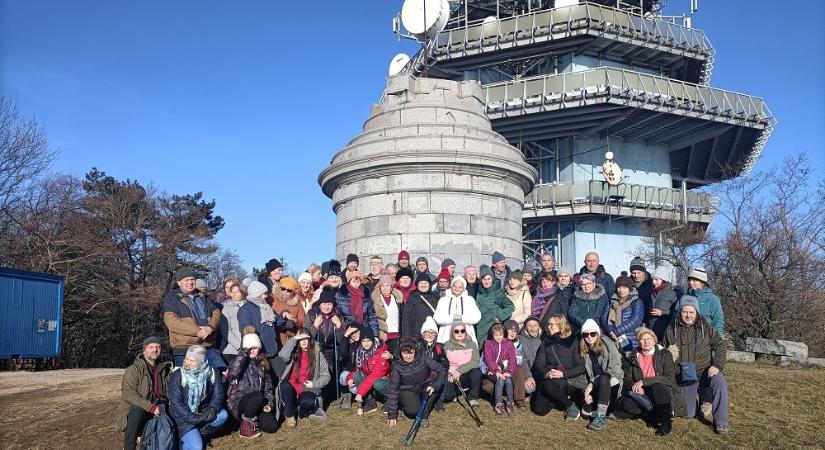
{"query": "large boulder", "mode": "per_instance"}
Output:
(776, 347)
(743, 357)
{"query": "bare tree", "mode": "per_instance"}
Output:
(24, 153)
(222, 264)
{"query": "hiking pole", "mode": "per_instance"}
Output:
(408, 441)
(337, 387)
(471, 410)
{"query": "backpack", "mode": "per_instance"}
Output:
(159, 433)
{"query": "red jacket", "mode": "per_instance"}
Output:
(373, 369)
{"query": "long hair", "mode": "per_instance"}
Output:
(562, 323)
(312, 351)
(598, 346)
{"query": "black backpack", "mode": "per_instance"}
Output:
(159, 433)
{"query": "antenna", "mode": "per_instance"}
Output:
(424, 19)
(611, 171)
(398, 63)
(694, 6)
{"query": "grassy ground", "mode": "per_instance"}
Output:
(771, 407)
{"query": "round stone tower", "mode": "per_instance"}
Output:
(428, 175)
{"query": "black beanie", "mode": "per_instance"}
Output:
(366, 333)
(334, 268)
(404, 272)
(273, 264)
(352, 257)
(423, 277)
(327, 296)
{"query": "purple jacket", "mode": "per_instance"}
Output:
(246, 377)
(497, 352)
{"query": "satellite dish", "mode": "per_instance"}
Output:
(611, 171)
(398, 63)
(489, 26)
(425, 18)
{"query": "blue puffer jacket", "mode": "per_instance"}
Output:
(710, 307)
(184, 419)
(250, 314)
(632, 318)
(342, 299)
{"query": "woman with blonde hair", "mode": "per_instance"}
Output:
(306, 292)
(558, 365)
(603, 369)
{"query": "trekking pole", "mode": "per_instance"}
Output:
(471, 410)
(408, 441)
(337, 387)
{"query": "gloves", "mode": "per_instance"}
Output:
(208, 416)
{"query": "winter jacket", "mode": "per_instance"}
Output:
(665, 300)
(179, 318)
(322, 376)
(602, 278)
(250, 315)
(610, 362)
(530, 345)
(297, 310)
(699, 343)
(632, 318)
(462, 358)
(546, 305)
(434, 351)
(472, 288)
(137, 387)
(710, 308)
(327, 342)
(381, 310)
(342, 298)
(463, 305)
(494, 307)
(179, 411)
(414, 376)
(586, 306)
(500, 357)
(418, 307)
(246, 377)
(665, 369)
(230, 328)
(645, 292)
(374, 369)
(522, 302)
(561, 354)
(272, 287)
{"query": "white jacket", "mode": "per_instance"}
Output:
(463, 305)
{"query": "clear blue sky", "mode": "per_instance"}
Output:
(248, 101)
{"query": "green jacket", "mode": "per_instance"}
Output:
(494, 307)
(610, 361)
(699, 343)
(136, 387)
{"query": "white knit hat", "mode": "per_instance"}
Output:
(699, 274)
(251, 340)
(305, 276)
(662, 273)
(589, 326)
(429, 324)
(256, 289)
(246, 281)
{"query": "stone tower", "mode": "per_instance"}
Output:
(428, 175)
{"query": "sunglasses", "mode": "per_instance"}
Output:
(461, 331)
(287, 290)
(591, 334)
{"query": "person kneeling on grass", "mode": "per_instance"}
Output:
(371, 362)
(142, 391)
(414, 376)
(196, 399)
(299, 389)
(559, 367)
(500, 362)
(603, 368)
(250, 395)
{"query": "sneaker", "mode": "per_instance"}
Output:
(474, 402)
(248, 429)
(707, 411)
(500, 409)
(722, 430)
(598, 422)
(291, 422)
(346, 401)
(369, 405)
(319, 414)
(511, 409)
(572, 413)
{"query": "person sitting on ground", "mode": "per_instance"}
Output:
(664, 300)
(624, 313)
(589, 302)
(559, 366)
(143, 388)
(603, 368)
(388, 303)
(457, 306)
(518, 293)
(354, 303)
(250, 395)
(420, 305)
(493, 304)
(413, 377)
(462, 354)
(529, 341)
(702, 353)
(305, 375)
(368, 377)
(196, 399)
(549, 299)
(650, 381)
(257, 313)
(191, 319)
(500, 362)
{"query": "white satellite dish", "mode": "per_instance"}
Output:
(425, 18)
(398, 63)
(611, 171)
(489, 26)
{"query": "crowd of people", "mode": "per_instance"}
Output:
(277, 350)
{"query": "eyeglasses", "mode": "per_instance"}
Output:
(461, 331)
(288, 291)
(591, 334)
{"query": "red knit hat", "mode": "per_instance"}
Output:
(444, 275)
(403, 254)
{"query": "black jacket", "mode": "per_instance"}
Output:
(414, 376)
(560, 354)
(416, 311)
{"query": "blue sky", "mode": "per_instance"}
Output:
(248, 101)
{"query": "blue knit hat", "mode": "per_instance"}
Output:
(497, 256)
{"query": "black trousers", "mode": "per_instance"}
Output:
(135, 421)
(305, 402)
(551, 393)
(604, 392)
(657, 393)
(252, 405)
(471, 379)
(410, 401)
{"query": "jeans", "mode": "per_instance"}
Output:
(193, 440)
(213, 357)
(718, 387)
(500, 386)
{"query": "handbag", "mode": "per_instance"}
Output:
(688, 372)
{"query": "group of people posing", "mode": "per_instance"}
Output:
(277, 350)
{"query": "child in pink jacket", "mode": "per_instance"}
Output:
(500, 359)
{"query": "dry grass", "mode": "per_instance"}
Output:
(771, 407)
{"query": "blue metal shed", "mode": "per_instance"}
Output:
(31, 314)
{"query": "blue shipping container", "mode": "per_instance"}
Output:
(31, 314)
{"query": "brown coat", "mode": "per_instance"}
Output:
(297, 310)
(180, 321)
(381, 310)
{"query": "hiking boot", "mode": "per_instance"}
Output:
(439, 406)
(369, 405)
(500, 409)
(521, 404)
(346, 401)
(707, 411)
(722, 430)
(319, 414)
(511, 409)
(474, 402)
(249, 429)
(572, 413)
(290, 422)
(599, 421)
(664, 428)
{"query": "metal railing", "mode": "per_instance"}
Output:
(632, 196)
(626, 84)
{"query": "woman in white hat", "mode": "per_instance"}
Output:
(663, 298)
(603, 368)
(250, 395)
(709, 305)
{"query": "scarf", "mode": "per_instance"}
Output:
(327, 327)
(614, 316)
(195, 380)
(661, 287)
(267, 314)
(362, 355)
(541, 299)
(356, 303)
(405, 292)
